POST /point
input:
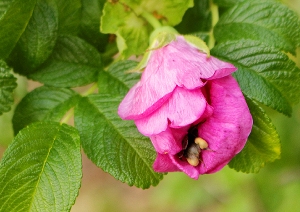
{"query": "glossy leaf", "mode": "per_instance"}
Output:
(267, 21)
(90, 24)
(7, 86)
(41, 169)
(227, 3)
(4, 6)
(264, 73)
(118, 77)
(199, 15)
(69, 13)
(115, 145)
(13, 23)
(263, 144)
(44, 104)
(38, 40)
(73, 63)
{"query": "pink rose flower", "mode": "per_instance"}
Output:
(191, 108)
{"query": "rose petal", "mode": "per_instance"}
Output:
(163, 163)
(177, 63)
(169, 163)
(143, 99)
(190, 65)
(191, 171)
(227, 130)
(169, 141)
(183, 108)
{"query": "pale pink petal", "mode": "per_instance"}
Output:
(143, 99)
(226, 131)
(192, 66)
(183, 108)
(167, 142)
(222, 68)
(163, 163)
(178, 63)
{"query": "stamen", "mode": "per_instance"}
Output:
(201, 142)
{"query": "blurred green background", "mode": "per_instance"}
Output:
(275, 188)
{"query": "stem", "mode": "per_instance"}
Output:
(90, 90)
(70, 113)
(68, 116)
(215, 18)
(151, 20)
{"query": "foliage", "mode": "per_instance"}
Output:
(64, 45)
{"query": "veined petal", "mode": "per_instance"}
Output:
(163, 163)
(177, 63)
(183, 108)
(191, 171)
(191, 66)
(143, 99)
(227, 130)
(169, 141)
(222, 68)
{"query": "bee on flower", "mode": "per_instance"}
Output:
(189, 105)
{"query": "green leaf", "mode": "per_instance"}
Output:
(7, 86)
(115, 145)
(264, 73)
(263, 144)
(132, 31)
(41, 169)
(4, 6)
(69, 13)
(118, 77)
(73, 63)
(267, 21)
(90, 24)
(227, 3)
(125, 20)
(44, 104)
(38, 40)
(13, 23)
(169, 11)
(199, 15)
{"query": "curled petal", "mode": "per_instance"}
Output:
(183, 166)
(177, 63)
(227, 130)
(143, 99)
(169, 141)
(191, 66)
(163, 163)
(183, 108)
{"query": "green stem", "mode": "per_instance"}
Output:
(151, 19)
(70, 113)
(68, 116)
(215, 18)
(90, 90)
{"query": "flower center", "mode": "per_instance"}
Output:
(192, 146)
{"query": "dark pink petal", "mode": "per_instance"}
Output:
(183, 166)
(183, 108)
(170, 163)
(227, 130)
(169, 141)
(163, 163)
